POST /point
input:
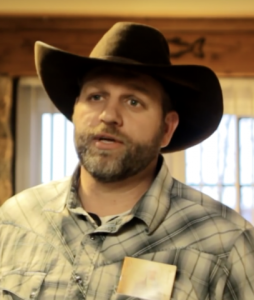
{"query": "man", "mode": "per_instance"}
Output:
(68, 239)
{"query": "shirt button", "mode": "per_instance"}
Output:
(32, 295)
(78, 279)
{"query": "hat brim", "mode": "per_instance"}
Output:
(194, 90)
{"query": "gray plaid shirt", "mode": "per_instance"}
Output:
(50, 248)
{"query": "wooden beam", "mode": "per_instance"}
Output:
(225, 45)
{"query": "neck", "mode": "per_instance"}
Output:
(105, 199)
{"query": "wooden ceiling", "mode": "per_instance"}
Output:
(225, 45)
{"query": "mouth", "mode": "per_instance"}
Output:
(106, 138)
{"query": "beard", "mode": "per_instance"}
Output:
(111, 166)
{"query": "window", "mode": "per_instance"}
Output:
(45, 145)
(211, 166)
(58, 154)
(223, 165)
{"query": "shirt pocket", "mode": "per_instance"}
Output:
(25, 286)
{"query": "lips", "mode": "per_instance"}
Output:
(107, 138)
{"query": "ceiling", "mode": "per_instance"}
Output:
(167, 8)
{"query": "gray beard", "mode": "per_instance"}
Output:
(105, 167)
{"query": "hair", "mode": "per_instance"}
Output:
(167, 103)
(129, 73)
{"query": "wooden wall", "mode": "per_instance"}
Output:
(6, 143)
(225, 45)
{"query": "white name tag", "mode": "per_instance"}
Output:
(145, 279)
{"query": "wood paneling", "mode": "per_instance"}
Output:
(225, 45)
(6, 142)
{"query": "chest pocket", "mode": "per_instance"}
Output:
(24, 286)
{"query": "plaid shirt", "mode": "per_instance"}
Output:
(50, 248)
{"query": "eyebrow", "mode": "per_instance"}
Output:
(132, 86)
(138, 88)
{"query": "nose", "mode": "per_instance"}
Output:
(111, 114)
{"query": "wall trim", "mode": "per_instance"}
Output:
(224, 44)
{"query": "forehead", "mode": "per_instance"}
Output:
(131, 79)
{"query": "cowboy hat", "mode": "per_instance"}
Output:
(194, 90)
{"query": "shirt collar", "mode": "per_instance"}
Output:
(151, 208)
(58, 194)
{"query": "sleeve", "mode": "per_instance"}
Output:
(240, 280)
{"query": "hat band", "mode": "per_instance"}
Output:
(118, 59)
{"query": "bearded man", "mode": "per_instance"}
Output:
(69, 239)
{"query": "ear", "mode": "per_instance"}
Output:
(170, 124)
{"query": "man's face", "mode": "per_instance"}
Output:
(119, 128)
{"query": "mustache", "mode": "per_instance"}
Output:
(92, 132)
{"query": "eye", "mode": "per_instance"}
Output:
(95, 97)
(134, 102)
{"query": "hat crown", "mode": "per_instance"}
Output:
(134, 42)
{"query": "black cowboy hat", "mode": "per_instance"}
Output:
(194, 90)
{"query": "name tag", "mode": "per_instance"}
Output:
(146, 280)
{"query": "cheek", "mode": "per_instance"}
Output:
(143, 129)
(83, 117)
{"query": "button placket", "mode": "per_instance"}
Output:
(77, 278)
(91, 244)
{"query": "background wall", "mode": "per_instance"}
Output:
(181, 8)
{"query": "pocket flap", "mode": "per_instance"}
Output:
(26, 285)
